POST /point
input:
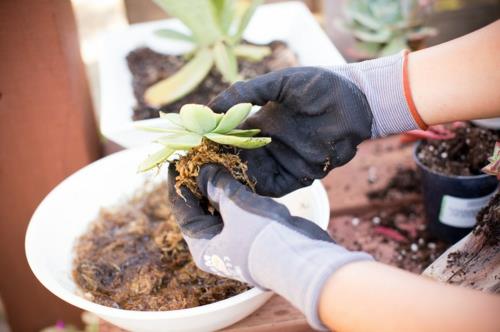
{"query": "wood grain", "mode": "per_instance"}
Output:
(47, 131)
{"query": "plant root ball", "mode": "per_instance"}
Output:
(208, 152)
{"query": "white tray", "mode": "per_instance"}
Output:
(291, 22)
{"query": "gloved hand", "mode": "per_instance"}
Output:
(256, 240)
(317, 117)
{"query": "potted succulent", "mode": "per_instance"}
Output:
(454, 188)
(202, 133)
(149, 53)
(216, 56)
(383, 27)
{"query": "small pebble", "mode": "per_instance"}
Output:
(431, 148)
(376, 220)
(355, 222)
(421, 241)
(403, 252)
(431, 245)
(372, 174)
(414, 247)
(444, 155)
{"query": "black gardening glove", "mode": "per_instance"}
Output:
(316, 119)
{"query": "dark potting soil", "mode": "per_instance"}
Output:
(465, 154)
(148, 67)
(405, 181)
(397, 236)
(133, 257)
(488, 222)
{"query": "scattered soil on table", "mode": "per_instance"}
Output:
(465, 154)
(488, 222)
(134, 257)
(405, 181)
(189, 166)
(396, 236)
(148, 67)
(476, 263)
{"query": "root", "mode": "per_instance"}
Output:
(189, 166)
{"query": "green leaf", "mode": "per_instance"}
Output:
(198, 118)
(182, 82)
(233, 117)
(381, 36)
(155, 159)
(181, 141)
(240, 142)
(172, 118)
(245, 19)
(252, 52)
(160, 129)
(226, 63)
(244, 132)
(365, 19)
(198, 15)
(368, 49)
(225, 10)
(394, 46)
(174, 34)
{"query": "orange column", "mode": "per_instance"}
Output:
(47, 131)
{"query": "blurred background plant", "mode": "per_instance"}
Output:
(216, 32)
(385, 27)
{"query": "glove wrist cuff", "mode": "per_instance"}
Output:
(385, 83)
(297, 267)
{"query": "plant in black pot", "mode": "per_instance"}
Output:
(454, 186)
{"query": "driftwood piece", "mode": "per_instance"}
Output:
(471, 262)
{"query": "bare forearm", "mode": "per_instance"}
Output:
(458, 80)
(368, 296)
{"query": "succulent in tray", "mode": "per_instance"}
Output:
(215, 29)
(207, 137)
(384, 27)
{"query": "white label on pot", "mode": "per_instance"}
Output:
(461, 212)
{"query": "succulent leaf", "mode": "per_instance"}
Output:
(245, 19)
(237, 141)
(174, 34)
(252, 52)
(380, 36)
(225, 10)
(244, 132)
(226, 62)
(155, 159)
(233, 117)
(198, 15)
(160, 129)
(198, 118)
(182, 82)
(180, 142)
(395, 45)
(173, 118)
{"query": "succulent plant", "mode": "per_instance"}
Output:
(216, 30)
(194, 123)
(384, 27)
(493, 168)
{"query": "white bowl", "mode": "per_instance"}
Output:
(291, 22)
(68, 209)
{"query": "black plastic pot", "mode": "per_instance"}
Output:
(451, 202)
